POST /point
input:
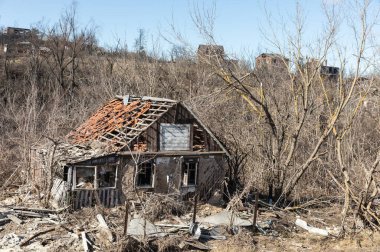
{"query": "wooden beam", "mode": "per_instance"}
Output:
(163, 105)
(14, 219)
(159, 110)
(136, 129)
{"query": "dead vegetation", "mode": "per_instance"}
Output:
(162, 206)
(24, 225)
(309, 144)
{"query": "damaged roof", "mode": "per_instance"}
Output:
(121, 120)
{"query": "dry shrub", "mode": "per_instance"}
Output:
(168, 244)
(162, 244)
(132, 244)
(158, 206)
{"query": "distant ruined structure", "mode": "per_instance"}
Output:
(325, 71)
(271, 61)
(210, 53)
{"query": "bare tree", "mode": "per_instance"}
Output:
(67, 44)
(290, 100)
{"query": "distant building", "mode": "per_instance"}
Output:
(210, 53)
(14, 34)
(325, 71)
(271, 61)
(15, 31)
(15, 40)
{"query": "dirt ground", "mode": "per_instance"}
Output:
(281, 234)
(365, 241)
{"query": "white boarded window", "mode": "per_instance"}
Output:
(174, 136)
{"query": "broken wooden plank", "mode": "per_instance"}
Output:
(104, 229)
(136, 129)
(141, 124)
(29, 214)
(38, 210)
(14, 219)
(148, 119)
(84, 241)
(162, 105)
(159, 110)
(4, 220)
(102, 221)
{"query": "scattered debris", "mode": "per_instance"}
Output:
(14, 219)
(141, 227)
(195, 230)
(36, 235)
(84, 241)
(29, 228)
(312, 230)
(104, 229)
(225, 218)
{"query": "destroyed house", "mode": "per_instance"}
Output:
(132, 145)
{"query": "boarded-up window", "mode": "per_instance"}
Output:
(174, 136)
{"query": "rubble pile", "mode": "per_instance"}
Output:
(26, 226)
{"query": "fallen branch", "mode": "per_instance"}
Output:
(36, 235)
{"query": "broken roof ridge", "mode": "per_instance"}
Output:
(144, 98)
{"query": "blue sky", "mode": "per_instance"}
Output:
(237, 23)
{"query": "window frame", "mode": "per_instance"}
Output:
(75, 176)
(153, 173)
(95, 183)
(186, 162)
(97, 179)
